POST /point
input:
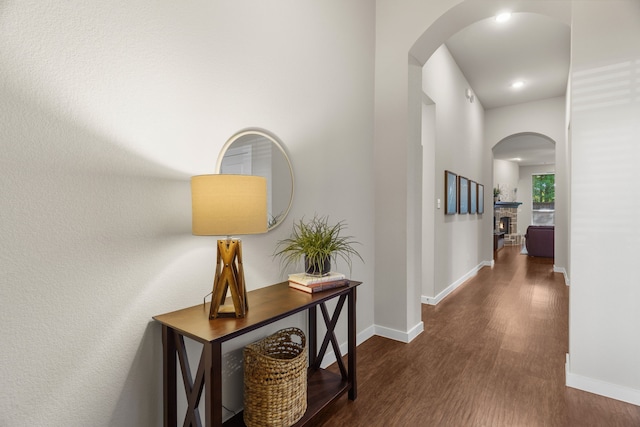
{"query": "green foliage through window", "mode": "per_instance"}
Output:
(544, 189)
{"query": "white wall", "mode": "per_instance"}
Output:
(604, 348)
(396, 146)
(506, 175)
(429, 194)
(107, 109)
(458, 148)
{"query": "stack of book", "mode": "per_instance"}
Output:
(312, 284)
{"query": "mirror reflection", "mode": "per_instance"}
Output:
(257, 152)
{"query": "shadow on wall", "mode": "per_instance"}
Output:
(96, 240)
(143, 385)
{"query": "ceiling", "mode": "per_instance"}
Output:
(529, 47)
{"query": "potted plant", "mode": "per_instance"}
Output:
(317, 242)
(496, 194)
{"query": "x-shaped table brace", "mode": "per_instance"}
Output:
(315, 359)
(193, 389)
(330, 336)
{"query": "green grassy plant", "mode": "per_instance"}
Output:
(316, 240)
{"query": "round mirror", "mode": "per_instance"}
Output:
(257, 152)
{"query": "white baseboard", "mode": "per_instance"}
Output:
(564, 273)
(452, 287)
(415, 331)
(602, 388)
(401, 336)
(366, 334)
(405, 337)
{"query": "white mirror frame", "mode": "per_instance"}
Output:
(275, 142)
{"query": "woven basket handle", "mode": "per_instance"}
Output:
(295, 332)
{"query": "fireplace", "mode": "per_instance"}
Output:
(505, 225)
(505, 221)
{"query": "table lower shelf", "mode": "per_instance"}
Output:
(323, 387)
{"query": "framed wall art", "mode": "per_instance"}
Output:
(450, 193)
(463, 195)
(480, 199)
(473, 197)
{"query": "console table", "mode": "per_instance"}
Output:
(267, 305)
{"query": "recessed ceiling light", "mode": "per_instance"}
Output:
(517, 84)
(503, 17)
(517, 159)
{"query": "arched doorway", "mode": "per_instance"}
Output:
(456, 235)
(516, 160)
(397, 141)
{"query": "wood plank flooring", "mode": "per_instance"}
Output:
(492, 354)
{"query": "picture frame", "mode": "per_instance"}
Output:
(473, 197)
(450, 193)
(480, 199)
(463, 195)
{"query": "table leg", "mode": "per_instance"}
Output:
(213, 384)
(351, 325)
(313, 330)
(169, 383)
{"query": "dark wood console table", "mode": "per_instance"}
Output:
(267, 305)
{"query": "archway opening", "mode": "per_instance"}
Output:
(436, 286)
(518, 160)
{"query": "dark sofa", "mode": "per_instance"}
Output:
(539, 240)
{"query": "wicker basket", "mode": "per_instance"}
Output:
(275, 379)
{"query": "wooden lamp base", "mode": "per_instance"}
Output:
(229, 276)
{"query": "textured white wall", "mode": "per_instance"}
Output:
(396, 146)
(458, 148)
(107, 108)
(604, 344)
(505, 175)
(430, 194)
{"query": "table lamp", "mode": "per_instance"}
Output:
(228, 205)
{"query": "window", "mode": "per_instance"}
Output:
(543, 199)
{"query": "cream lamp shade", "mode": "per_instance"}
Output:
(226, 205)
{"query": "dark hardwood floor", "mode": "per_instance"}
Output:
(492, 354)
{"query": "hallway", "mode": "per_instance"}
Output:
(492, 354)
